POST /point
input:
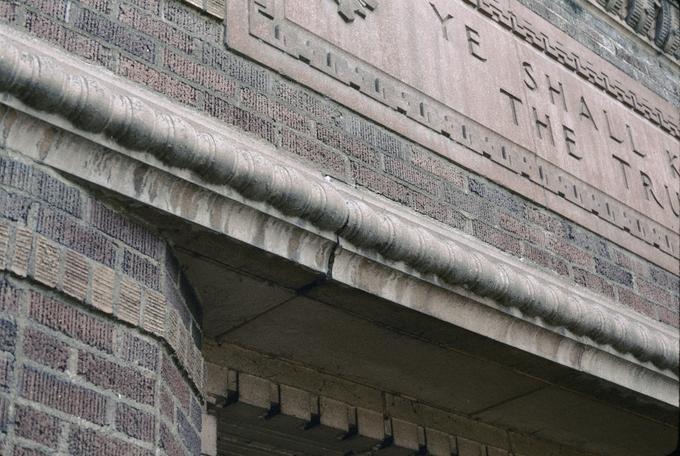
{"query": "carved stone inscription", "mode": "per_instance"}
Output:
(494, 77)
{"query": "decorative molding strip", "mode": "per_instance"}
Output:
(656, 21)
(97, 107)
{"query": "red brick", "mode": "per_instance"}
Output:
(545, 259)
(632, 263)
(72, 322)
(413, 176)
(14, 207)
(120, 227)
(438, 210)
(64, 396)
(4, 414)
(69, 40)
(439, 167)
(152, 6)
(288, 117)
(547, 221)
(6, 370)
(116, 34)
(521, 229)
(27, 452)
(55, 9)
(37, 426)
(55, 192)
(141, 269)
(8, 335)
(668, 316)
(160, 82)
(349, 145)
(148, 24)
(570, 252)
(103, 6)
(223, 110)
(175, 381)
(169, 443)
(382, 184)
(497, 238)
(376, 136)
(207, 28)
(45, 349)
(636, 302)
(236, 67)
(167, 406)
(116, 377)
(86, 442)
(135, 423)
(138, 352)
(306, 102)
(657, 295)
(8, 12)
(593, 282)
(320, 157)
(84, 239)
(9, 297)
(199, 74)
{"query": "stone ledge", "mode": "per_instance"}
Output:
(115, 114)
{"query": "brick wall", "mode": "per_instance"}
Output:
(178, 51)
(99, 342)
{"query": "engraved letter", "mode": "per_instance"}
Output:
(570, 139)
(585, 112)
(612, 134)
(632, 142)
(349, 9)
(540, 126)
(443, 20)
(623, 169)
(513, 100)
(528, 72)
(675, 206)
(473, 43)
(649, 188)
(673, 162)
(556, 91)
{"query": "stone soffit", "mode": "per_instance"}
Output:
(129, 125)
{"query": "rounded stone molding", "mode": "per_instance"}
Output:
(102, 108)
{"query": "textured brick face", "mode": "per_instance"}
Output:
(117, 378)
(61, 395)
(45, 349)
(37, 426)
(76, 324)
(135, 423)
(71, 372)
(85, 442)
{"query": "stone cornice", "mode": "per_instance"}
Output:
(67, 91)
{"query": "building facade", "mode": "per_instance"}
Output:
(320, 227)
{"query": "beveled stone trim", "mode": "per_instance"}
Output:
(113, 114)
